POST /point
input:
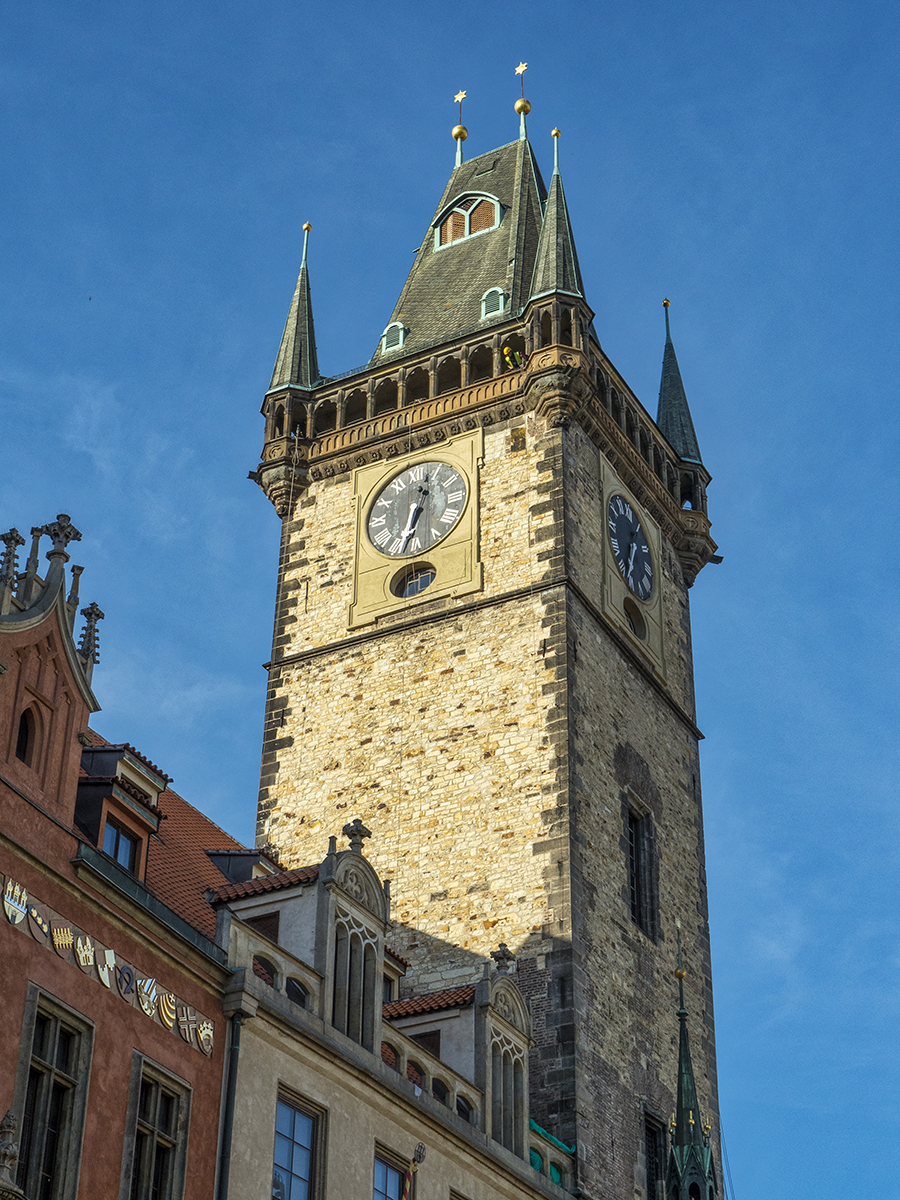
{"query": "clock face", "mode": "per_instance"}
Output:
(630, 547)
(416, 509)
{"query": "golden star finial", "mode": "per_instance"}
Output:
(521, 68)
(459, 97)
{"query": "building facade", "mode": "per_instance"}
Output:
(482, 648)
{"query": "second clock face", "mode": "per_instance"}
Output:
(629, 544)
(416, 509)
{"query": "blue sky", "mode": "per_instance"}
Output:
(158, 162)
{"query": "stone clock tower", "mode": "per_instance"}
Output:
(483, 650)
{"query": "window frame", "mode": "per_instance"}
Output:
(38, 1004)
(454, 206)
(402, 335)
(641, 867)
(319, 1118)
(394, 1162)
(143, 1070)
(126, 835)
(494, 291)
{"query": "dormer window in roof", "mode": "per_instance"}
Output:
(393, 337)
(466, 218)
(493, 302)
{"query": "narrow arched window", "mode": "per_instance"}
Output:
(469, 216)
(393, 337)
(294, 990)
(26, 737)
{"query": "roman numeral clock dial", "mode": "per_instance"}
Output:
(416, 509)
(629, 546)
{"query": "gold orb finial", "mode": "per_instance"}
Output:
(554, 133)
(460, 133)
(306, 227)
(680, 973)
(666, 304)
(522, 106)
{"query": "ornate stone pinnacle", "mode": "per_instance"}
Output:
(12, 539)
(61, 532)
(356, 831)
(89, 645)
(504, 958)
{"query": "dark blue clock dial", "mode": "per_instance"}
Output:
(629, 547)
(416, 509)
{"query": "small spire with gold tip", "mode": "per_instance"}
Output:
(523, 108)
(306, 228)
(555, 136)
(460, 133)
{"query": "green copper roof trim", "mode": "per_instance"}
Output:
(533, 1125)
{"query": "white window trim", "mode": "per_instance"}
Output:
(504, 300)
(385, 348)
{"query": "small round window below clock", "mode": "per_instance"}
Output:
(413, 580)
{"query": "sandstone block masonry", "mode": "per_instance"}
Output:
(496, 745)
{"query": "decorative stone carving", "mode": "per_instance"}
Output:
(504, 958)
(61, 532)
(356, 831)
(89, 645)
(9, 1157)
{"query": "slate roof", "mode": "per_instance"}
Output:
(556, 267)
(673, 415)
(297, 361)
(441, 298)
(267, 883)
(456, 997)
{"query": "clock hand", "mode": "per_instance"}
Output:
(414, 513)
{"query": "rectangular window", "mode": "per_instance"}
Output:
(121, 846)
(156, 1144)
(267, 924)
(58, 1066)
(641, 872)
(388, 1181)
(299, 1146)
(655, 1154)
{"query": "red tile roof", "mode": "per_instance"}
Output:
(179, 871)
(456, 997)
(267, 883)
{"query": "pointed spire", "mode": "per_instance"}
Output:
(556, 266)
(690, 1156)
(673, 416)
(297, 362)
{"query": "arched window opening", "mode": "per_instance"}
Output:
(389, 1056)
(617, 408)
(326, 417)
(556, 1173)
(439, 1091)
(355, 408)
(353, 1005)
(414, 1073)
(298, 423)
(279, 421)
(385, 396)
(694, 1191)
(464, 1109)
(546, 328)
(393, 337)
(295, 991)
(449, 376)
(688, 497)
(417, 385)
(265, 969)
(27, 737)
(536, 1160)
(518, 1107)
(493, 302)
(470, 216)
(481, 364)
(514, 352)
(565, 328)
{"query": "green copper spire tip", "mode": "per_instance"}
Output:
(306, 228)
(666, 310)
(555, 136)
